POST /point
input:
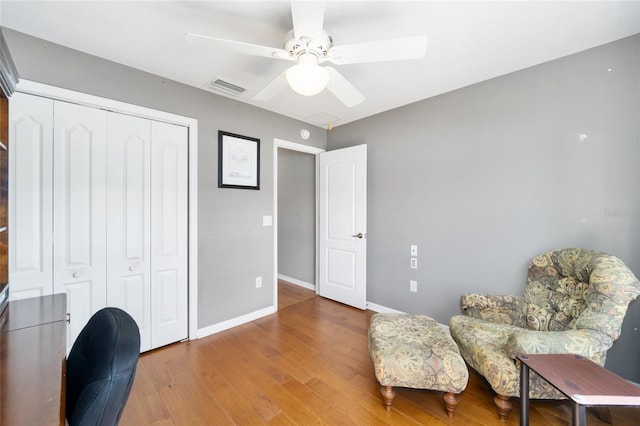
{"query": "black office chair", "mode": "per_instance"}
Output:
(101, 367)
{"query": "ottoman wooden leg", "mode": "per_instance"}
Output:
(451, 401)
(503, 405)
(387, 396)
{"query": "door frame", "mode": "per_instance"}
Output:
(307, 149)
(52, 92)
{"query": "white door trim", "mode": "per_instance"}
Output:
(293, 146)
(39, 89)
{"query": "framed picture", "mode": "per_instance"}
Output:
(238, 161)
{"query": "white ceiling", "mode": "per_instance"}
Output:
(469, 42)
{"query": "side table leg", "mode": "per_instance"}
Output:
(579, 415)
(524, 394)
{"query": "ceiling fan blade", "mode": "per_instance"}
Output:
(308, 17)
(273, 88)
(246, 48)
(378, 51)
(342, 89)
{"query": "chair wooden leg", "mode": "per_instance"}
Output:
(503, 405)
(387, 396)
(451, 401)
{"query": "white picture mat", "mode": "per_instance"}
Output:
(239, 162)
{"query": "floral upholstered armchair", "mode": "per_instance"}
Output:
(574, 302)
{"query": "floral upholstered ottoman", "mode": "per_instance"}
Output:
(414, 351)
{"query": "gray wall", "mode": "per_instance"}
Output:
(233, 246)
(297, 215)
(485, 177)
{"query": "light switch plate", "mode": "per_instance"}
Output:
(414, 263)
(413, 286)
(267, 220)
(414, 250)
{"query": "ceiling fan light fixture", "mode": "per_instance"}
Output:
(307, 77)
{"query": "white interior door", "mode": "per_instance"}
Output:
(169, 242)
(342, 242)
(79, 211)
(129, 219)
(30, 191)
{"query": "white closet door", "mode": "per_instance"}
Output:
(30, 189)
(129, 219)
(169, 276)
(79, 211)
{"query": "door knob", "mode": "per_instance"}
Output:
(131, 268)
(76, 275)
(358, 235)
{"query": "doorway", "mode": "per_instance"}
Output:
(339, 219)
(295, 214)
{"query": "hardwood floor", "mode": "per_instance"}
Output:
(306, 364)
(290, 294)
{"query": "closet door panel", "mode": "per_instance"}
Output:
(169, 233)
(79, 211)
(129, 218)
(30, 192)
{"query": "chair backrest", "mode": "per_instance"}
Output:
(101, 367)
(579, 289)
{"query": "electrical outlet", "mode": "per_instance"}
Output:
(414, 263)
(258, 282)
(414, 250)
(413, 286)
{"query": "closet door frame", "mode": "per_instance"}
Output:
(56, 93)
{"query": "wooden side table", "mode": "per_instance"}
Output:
(581, 380)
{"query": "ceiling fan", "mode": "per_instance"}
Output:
(308, 45)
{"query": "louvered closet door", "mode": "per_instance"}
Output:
(129, 219)
(79, 211)
(30, 202)
(169, 276)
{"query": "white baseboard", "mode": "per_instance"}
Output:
(252, 316)
(379, 308)
(295, 281)
(234, 322)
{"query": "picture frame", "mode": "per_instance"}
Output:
(238, 161)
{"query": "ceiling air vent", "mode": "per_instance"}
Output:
(225, 86)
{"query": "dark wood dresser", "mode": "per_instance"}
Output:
(32, 361)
